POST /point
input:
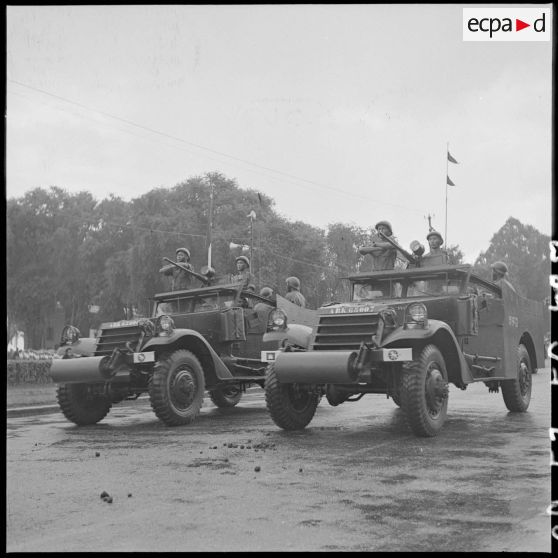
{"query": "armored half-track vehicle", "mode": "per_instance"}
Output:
(409, 334)
(209, 338)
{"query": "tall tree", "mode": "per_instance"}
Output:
(455, 254)
(525, 251)
(46, 229)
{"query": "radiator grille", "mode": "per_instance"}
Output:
(110, 339)
(344, 332)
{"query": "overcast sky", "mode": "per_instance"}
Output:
(339, 113)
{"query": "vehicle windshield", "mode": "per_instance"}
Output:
(406, 287)
(195, 304)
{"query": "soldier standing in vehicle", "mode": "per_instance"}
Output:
(383, 253)
(243, 272)
(293, 292)
(499, 272)
(180, 279)
(436, 256)
(262, 308)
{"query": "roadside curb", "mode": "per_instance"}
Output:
(32, 410)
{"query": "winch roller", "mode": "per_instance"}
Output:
(316, 367)
(80, 370)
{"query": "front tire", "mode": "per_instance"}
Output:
(424, 392)
(81, 405)
(396, 392)
(291, 406)
(177, 387)
(517, 392)
(227, 396)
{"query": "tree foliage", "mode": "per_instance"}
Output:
(74, 250)
(525, 251)
(455, 254)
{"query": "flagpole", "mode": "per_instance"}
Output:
(447, 171)
(210, 221)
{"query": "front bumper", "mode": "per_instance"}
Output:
(96, 368)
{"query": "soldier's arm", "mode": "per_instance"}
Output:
(166, 269)
(370, 249)
(375, 249)
(383, 245)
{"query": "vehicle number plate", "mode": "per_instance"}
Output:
(395, 355)
(140, 358)
(269, 356)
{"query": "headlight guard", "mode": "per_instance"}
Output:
(70, 335)
(277, 320)
(165, 326)
(416, 316)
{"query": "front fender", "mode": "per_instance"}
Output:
(176, 335)
(417, 334)
(294, 334)
(197, 343)
(440, 334)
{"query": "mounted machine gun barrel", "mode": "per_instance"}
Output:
(205, 279)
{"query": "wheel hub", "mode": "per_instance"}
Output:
(524, 378)
(183, 388)
(436, 390)
(299, 396)
(231, 391)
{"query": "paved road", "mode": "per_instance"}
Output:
(356, 479)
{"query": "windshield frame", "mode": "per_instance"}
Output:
(399, 286)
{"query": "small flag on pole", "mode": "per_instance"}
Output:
(449, 182)
(451, 159)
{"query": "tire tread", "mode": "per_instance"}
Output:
(279, 407)
(75, 409)
(158, 393)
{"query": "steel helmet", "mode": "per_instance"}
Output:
(500, 267)
(386, 224)
(243, 259)
(435, 233)
(266, 292)
(293, 282)
(185, 250)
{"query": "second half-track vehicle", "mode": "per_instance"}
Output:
(409, 334)
(209, 338)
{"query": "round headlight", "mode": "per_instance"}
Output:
(277, 318)
(166, 325)
(417, 312)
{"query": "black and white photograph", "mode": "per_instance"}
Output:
(278, 278)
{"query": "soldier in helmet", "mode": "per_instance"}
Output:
(293, 292)
(383, 253)
(499, 272)
(243, 272)
(436, 256)
(267, 292)
(180, 279)
(264, 308)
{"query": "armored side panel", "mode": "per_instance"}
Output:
(523, 317)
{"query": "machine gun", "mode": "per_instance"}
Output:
(416, 247)
(205, 277)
